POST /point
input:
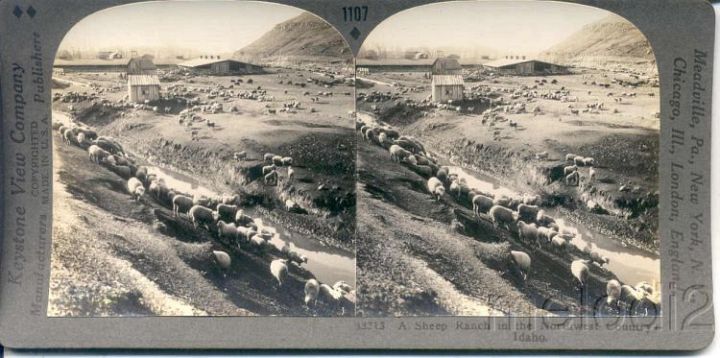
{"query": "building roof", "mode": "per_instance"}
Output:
(144, 62)
(446, 66)
(197, 62)
(143, 80)
(503, 62)
(448, 80)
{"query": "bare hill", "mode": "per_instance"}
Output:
(608, 42)
(301, 39)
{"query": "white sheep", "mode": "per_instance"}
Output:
(268, 169)
(312, 290)
(277, 160)
(527, 232)
(613, 290)
(481, 203)
(330, 294)
(522, 263)
(579, 161)
(225, 230)
(200, 215)
(245, 233)
(435, 187)
(398, 154)
(528, 213)
(243, 219)
(287, 161)
(580, 271)
(268, 157)
(588, 162)
(135, 188)
(570, 157)
(97, 154)
(279, 270)
(569, 169)
(181, 203)
(271, 178)
(223, 259)
(502, 216)
(559, 243)
(290, 174)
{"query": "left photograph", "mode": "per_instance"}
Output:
(203, 163)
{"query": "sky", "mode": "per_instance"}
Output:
(516, 27)
(207, 26)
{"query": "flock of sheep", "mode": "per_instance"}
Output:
(523, 214)
(220, 213)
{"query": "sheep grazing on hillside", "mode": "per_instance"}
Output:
(442, 174)
(287, 161)
(222, 259)
(481, 203)
(279, 270)
(613, 289)
(559, 244)
(141, 173)
(398, 154)
(528, 199)
(181, 203)
(527, 232)
(268, 157)
(97, 154)
(135, 188)
(543, 219)
(522, 263)
(271, 178)
(312, 290)
(227, 231)
(230, 199)
(528, 213)
(240, 156)
(290, 174)
(268, 169)
(436, 188)
(569, 169)
(570, 157)
(330, 295)
(258, 243)
(588, 162)
(580, 272)
(502, 216)
(242, 219)
(572, 179)
(200, 215)
(244, 234)
(277, 161)
(579, 161)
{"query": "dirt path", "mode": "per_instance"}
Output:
(456, 303)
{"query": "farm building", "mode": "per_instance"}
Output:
(447, 80)
(219, 67)
(446, 66)
(517, 66)
(142, 88)
(447, 88)
(141, 66)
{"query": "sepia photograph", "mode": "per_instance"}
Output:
(507, 163)
(204, 163)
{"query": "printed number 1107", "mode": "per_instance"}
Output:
(355, 13)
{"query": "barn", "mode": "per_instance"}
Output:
(142, 88)
(220, 67)
(518, 66)
(447, 88)
(447, 80)
(141, 66)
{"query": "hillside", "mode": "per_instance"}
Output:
(300, 39)
(609, 41)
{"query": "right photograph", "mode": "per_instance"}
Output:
(507, 163)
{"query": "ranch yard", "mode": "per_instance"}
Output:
(207, 138)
